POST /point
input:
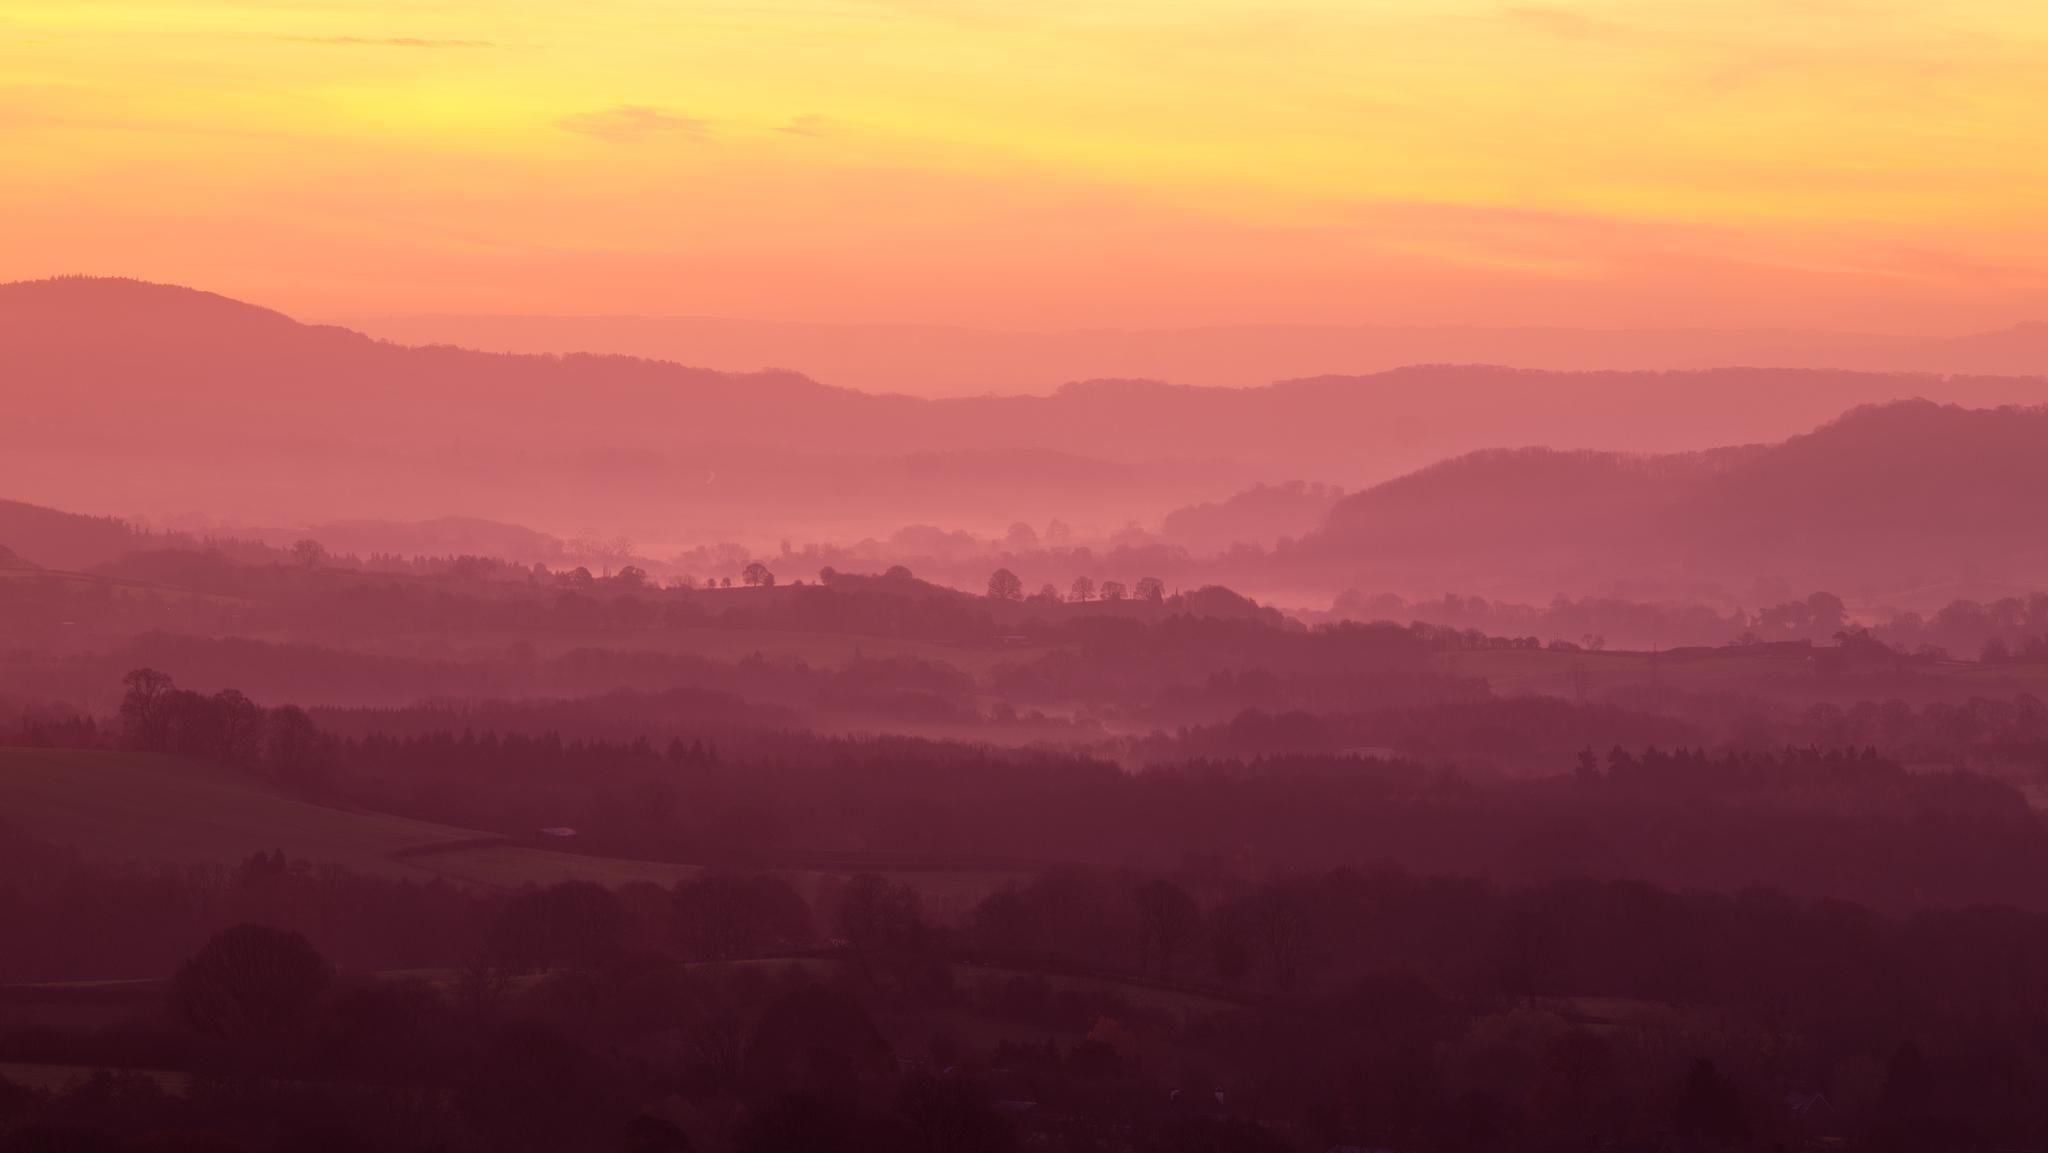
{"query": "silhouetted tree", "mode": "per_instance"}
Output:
(291, 745)
(1151, 590)
(574, 924)
(250, 982)
(1587, 771)
(1167, 921)
(1083, 589)
(725, 916)
(142, 711)
(1829, 614)
(816, 1038)
(950, 1116)
(650, 1134)
(1709, 1104)
(1113, 590)
(757, 575)
(1908, 1084)
(812, 1123)
(876, 913)
(1003, 585)
(240, 727)
(1215, 1135)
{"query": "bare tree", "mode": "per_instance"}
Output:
(142, 711)
(249, 982)
(1167, 920)
(1004, 585)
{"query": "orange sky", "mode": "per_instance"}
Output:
(1861, 164)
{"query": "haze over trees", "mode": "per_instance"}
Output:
(183, 381)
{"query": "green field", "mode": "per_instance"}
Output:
(52, 1078)
(133, 807)
(1592, 674)
(713, 643)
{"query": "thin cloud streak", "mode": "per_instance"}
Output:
(388, 42)
(632, 122)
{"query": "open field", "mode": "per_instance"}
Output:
(135, 807)
(51, 1078)
(716, 643)
(1779, 673)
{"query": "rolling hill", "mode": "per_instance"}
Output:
(1880, 502)
(131, 807)
(48, 538)
(929, 360)
(150, 398)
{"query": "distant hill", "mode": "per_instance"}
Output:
(152, 398)
(927, 360)
(1882, 501)
(129, 807)
(1259, 515)
(164, 399)
(63, 540)
(2021, 350)
(441, 536)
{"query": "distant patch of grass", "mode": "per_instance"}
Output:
(141, 808)
(52, 1078)
(134, 807)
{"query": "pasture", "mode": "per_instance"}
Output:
(1780, 674)
(144, 809)
(131, 807)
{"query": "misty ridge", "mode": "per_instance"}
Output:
(202, 393)
(175, 378)
(927, 360)
(418, 748)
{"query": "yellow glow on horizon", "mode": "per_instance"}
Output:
(1845, 163)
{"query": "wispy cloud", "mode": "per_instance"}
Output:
(388, 42)
(631, 122)
(809, 124)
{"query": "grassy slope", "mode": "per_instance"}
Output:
(1513, 671)
(129, 807)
